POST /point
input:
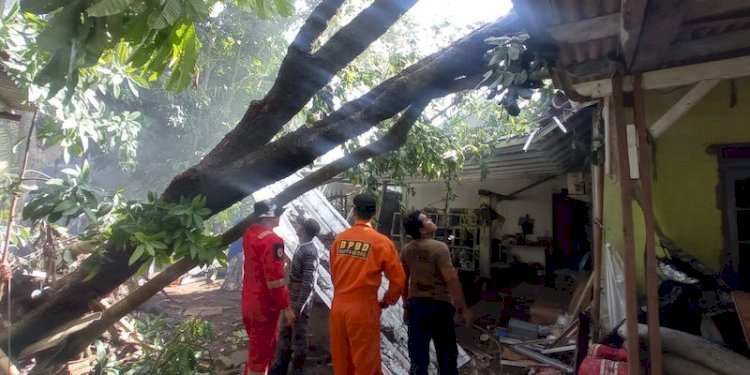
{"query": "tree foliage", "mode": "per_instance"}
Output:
(152, 37)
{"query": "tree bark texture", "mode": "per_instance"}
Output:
(243, 163)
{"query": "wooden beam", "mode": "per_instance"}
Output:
(672, 77)
(661, 27)
(585, 30)
(683, 105)
(597, 196)
(631, 22)
(699, 9)
(10, 116)
(712, 45)
(652, 279)
(626, 200)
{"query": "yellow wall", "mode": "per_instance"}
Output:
(687, 177)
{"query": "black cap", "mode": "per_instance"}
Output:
(263, 209)
(364, 203)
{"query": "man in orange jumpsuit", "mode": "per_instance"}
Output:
(264, 292)
(359, 256)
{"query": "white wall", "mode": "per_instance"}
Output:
(536, 202)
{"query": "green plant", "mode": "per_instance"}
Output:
(517, 71)
(238, 337)
(182, 353)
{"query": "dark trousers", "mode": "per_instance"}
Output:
(292, 347)
(430, 319)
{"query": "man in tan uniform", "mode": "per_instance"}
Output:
(431, 299)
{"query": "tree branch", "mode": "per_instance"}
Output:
(355, 37)
(455, 68)
(301, 76)
(315, 25)
(392, 140)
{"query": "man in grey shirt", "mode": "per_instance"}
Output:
(303, 274)
(431, 299)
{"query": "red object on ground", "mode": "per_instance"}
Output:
(605, 352)
(603, 360)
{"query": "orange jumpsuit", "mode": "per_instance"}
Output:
(264, 295)
(359, 256)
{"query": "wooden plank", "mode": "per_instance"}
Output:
(708, 46)
(682, 106)
(597, 192)
(626, 200)
(672, 77)
(60, 334)
(742, 305)
(699, 9)
(631, 22)
(585, 30)
(652, 279)
(660, 28)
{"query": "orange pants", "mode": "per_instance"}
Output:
(355, 338)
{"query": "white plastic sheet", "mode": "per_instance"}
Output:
(613, 289)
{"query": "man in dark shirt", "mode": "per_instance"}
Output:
(433, 291)
(303, 274)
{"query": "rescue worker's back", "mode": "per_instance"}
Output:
(359, 256)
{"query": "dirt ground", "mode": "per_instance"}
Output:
(222, 310)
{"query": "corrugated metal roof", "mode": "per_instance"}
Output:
(552, 152)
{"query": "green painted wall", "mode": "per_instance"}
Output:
(687, 176)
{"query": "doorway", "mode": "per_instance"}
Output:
(734, 164)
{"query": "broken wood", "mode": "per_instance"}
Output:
(543, 359)
(59, 335)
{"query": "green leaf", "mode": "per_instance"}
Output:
(284, 7)
(184, 70)
(514, 52)
(108, 7)
(171, 11)
(136, 254)
(64, 205)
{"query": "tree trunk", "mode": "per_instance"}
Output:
(238, 166)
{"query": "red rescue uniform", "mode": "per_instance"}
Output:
(264, 294)
(359, 257)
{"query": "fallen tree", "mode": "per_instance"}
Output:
(244, 161)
